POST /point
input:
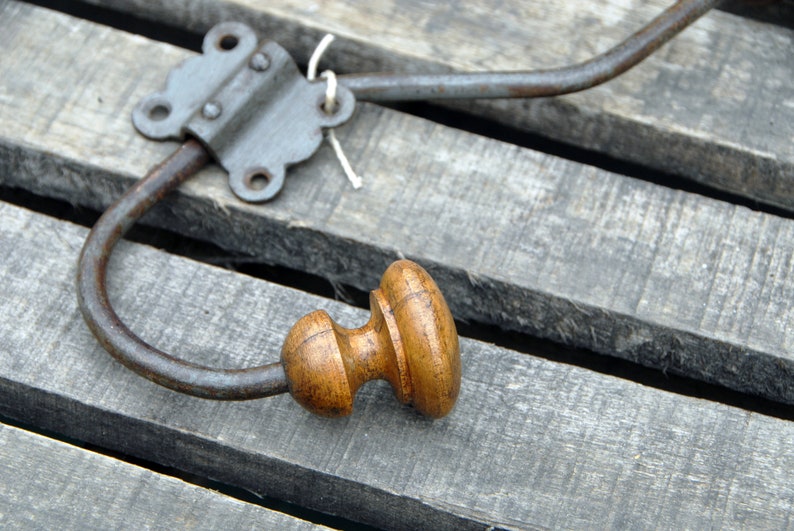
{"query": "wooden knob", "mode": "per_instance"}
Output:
(410, 340)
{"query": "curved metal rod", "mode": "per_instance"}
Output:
(537, 83)
(120, 341)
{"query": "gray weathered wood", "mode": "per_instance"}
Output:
(515, 238)
(47, 484)
(530, 442)
(715, 106)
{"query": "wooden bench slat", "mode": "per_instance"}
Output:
(530, 442)
(715, 106)
(48, 484)
(514, 237)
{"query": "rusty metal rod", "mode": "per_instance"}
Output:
(537, 83)
(120, 341)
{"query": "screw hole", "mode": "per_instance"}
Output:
(333, 110)
(228, 42)
(159, 112)
(257, 180)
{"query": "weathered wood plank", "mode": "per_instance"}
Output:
(715, 106)
(48, 484)
(530, 442)
(516, 238)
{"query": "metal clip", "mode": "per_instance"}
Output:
(248, 104)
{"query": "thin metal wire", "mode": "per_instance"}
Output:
(120, 341)
(532, 84)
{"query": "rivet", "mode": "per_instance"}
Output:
(211, 110)
(259, 62)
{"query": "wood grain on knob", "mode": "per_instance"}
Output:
(410, 340)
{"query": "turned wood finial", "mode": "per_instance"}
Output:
(410, 340)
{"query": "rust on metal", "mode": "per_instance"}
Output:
(120, 341)
(537, 83)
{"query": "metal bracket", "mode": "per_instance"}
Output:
(248, 104)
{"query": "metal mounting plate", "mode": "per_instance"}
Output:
(250, 106)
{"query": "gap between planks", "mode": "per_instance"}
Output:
(52, 485)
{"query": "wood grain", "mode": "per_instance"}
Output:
(410, 341)
(48, 484)
(714, 106)
(513, 237)
(531, 443)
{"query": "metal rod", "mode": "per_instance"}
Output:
(120, 341)
(532, 84)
